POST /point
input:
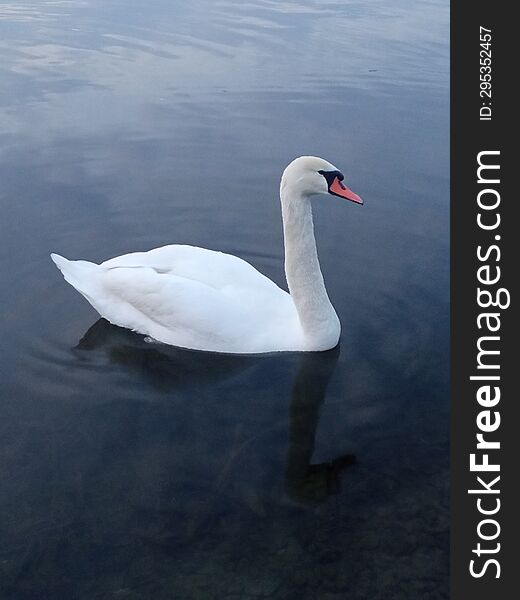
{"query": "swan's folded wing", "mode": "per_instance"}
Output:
(216, 269)
(168, 307)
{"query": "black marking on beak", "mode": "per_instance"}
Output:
(331, 175)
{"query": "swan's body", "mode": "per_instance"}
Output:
(206, 300)
(190, 297)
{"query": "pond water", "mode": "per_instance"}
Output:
(137, 471)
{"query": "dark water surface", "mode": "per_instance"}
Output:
(138, 471)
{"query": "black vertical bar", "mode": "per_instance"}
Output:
(484, 123)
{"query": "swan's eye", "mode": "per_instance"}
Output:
(331, 175)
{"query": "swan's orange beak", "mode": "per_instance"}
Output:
(338, 189)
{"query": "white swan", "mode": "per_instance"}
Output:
(206, 300)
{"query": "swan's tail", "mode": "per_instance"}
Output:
(60, 261)
(76, 272)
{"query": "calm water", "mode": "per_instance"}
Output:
(137, 471)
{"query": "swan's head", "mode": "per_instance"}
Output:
(309, 175)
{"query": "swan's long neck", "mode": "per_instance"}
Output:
(317, 316)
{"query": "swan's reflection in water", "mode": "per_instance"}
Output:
(307, 482)
(168, 368)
